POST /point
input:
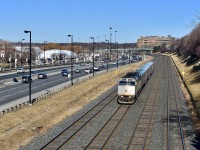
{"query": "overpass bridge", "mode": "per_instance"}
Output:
(138, 50)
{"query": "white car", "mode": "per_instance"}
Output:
(88, 70)
(77, 70)
(20, 70)
(96, 68)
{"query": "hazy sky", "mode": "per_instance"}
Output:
(53, 20)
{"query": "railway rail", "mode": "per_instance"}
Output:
(140, 133)
(61, 139)
(99, 141)
(175, 106)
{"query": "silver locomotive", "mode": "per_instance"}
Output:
(130, 86)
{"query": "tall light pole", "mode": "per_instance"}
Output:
(30, 60)
(117, 54)
(124, 52)
(129, 54)
(93, 55)
(60, 52)
(21, 53)
(107, 55)
(110, 41)
(44, 52)
(116, 47)
(71, 59)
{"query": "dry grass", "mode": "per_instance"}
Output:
(19, 127)
(191, 80)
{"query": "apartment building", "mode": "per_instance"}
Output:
(151, 41)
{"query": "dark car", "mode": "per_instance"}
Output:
(34, 72)
(64, 72)
(42, 76)
(102, 66)
(26, 79)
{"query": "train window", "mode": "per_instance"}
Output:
(122, 82)
(131, 83)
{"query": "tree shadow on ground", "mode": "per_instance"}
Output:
(185, 120)
(196, 78)
(192, 60)
(186, 126)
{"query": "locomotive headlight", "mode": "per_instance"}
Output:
(130, 96)
(122, 96)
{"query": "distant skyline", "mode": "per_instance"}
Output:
(53, 20)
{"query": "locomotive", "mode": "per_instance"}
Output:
(130, 86)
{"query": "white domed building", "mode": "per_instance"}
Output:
(56, 53)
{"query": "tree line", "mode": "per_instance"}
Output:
(190, 43)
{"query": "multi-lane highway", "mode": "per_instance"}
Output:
(19, 90)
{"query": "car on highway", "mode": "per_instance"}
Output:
(88, 70)
(64, 72)
(114, 63)
(26, 79)
(96, 68)
(42, 75)
(77, 70)
(102, 66)
(20, 70)
(34, 71)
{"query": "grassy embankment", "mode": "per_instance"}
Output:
(192, 82)
(191, 79)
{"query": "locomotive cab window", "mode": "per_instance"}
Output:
(122, 82)
(131, 83)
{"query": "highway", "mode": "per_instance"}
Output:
(19, 90)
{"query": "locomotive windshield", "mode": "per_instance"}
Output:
(126, 83)
(122, 82)
(131, 83)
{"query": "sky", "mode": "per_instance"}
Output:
(54, 20)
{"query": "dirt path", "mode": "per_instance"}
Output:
(19, 127)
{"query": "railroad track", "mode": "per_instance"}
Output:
(174, 116)
(58, 141)
(102, 137)
(142, 129)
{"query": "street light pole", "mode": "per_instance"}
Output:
(30, 60)
(117, 54)
(71, 59)
(107, 55)
(124, 52)
(110, 41)
(116, 48)
(44, 52)
(21, 53)
(129, 54)
(60, 52)
(93, 55)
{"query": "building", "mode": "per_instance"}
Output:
(152, 41)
